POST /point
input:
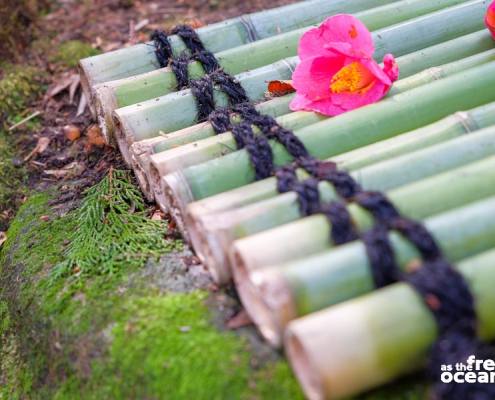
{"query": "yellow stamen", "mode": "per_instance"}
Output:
(353, 78)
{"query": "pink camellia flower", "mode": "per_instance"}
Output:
(337, 72)
(490, 19)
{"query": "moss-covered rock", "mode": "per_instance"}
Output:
(69, 53)
(113, 335)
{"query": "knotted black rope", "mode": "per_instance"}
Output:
(446, 293)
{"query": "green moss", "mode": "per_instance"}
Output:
(19, 86)
(69, 53)
(180, 356)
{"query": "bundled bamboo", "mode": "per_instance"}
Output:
(283, 292)
(447, 52)
(140, 152)
(213, 233)
(178, 110)
(198, 152)
(346, 349)
(217, 37)
(366, 125)
(124, 92)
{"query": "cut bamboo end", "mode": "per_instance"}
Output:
(140, 155)
(304, 367)
(209, 243)
(266, 297)
(176, 195)
(105, 103)
(120, 137)
(87, 86)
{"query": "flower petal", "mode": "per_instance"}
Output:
(312, 76)
(490, 19)
(341, 28)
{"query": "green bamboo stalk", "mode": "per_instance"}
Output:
(450, 51)
(369, 341)
(139, 153)
(285, 292)
(224, 35)
(366, 125)
(409, 64)
(213, 234)
(199, 152)
(146, 119)
(450, 127)
(124, 92)
(409, 186)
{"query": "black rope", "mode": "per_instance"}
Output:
(447, 295)
(163, 50)
(202, 90)
(258, 148)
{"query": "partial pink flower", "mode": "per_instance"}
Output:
(490, 19)
(337, 72)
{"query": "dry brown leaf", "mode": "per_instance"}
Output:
(3, 238)
(280, 88)
(71, 170)
(73, 88)
(83, 102)
(40, 147)
(95, 137)
(72, 132)
(239, 320)
(65, 83)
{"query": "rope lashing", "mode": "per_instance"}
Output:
(447, 295)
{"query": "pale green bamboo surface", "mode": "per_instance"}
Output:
(371, 340)
(340, 274)
(454, 125)
(407, 197)
(450, 51)
(213, 234)
(409, 64)
(160, 82)
(220, 36)
(366, 125)
(146, 119)
(199, 152)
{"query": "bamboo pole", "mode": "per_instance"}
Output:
(443, 53)
(410, 64)
(217, 37)
(140, 152)
(366, 125)
(212, 234)
(178, 110)
(284, 292)
(195, 153)
(132, 90)
(450, 127)
(369, 341)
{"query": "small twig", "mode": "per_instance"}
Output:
(23, 121)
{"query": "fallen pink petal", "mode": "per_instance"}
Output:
(337, 72)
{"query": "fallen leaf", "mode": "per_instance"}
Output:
(73, 88)
(3, 238)
(83, 102)
(71, 170)
(40, 147)
(158, 215)
(72, 132)
(239, 320)
(95, 138)
(280, 88)
(64, 83)
(45, 218)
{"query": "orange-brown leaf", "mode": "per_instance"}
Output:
(280, 88)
